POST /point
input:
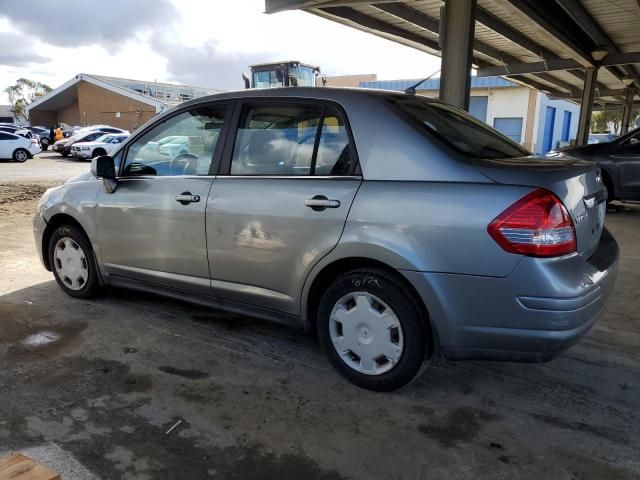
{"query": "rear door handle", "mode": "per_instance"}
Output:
(185, 198)
(320, 202)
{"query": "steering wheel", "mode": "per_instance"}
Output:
(184, 163)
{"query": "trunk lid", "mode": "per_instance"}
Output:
(577, 183)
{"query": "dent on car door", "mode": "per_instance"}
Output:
(152, 228)
(283, 202)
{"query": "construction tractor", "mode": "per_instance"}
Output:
(290, 73)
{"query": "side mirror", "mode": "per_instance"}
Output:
(104, 167)
(247, 82)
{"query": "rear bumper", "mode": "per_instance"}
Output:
(542, 308)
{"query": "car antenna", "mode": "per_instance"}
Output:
(412, 89)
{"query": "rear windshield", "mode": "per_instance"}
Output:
(458, 129)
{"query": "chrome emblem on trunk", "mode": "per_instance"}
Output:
(590, 202)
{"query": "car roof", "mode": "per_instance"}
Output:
(319, 93)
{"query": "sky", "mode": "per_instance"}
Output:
(207, 43)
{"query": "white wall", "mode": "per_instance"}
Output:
(561, 106)
(511, 102)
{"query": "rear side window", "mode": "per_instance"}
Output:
(458, 129)
(292, 139)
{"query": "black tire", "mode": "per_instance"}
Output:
(415, 327)
(98, 152)
(44, 144)
(64, 153)
(92, 286)
(21, 155)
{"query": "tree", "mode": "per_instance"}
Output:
(601, 121)
(23, 93)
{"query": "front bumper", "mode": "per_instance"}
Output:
(81, 153)
(39, 226)
(542, 308)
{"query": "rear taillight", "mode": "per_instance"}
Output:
(35, 141)
(537, 225)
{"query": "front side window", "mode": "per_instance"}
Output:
(458, 129)
(181, 145)
(292, 140)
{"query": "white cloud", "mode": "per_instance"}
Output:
(204, 42)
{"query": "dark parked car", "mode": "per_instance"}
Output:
(619, 161)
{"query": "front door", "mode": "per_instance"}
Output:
(152, 228)
(281, 205)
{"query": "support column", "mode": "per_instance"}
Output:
(456, 39)
(586, 106)
(628, 107)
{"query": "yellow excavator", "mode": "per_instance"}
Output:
(290, 73)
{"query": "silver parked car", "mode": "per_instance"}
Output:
(394, 226)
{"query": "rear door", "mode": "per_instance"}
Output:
(6, 144)
(280, 203)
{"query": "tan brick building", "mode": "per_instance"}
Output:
(91, 100)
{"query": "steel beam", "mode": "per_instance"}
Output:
(628, 107)
(367, 21)
(599, 93)
(530, 67)
(590, 80)
(457, 35)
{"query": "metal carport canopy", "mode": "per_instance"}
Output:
(566, 48)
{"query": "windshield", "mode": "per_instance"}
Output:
(458, 129)
(301, 76)
(266, 79)
(105, 139)
(632, 137)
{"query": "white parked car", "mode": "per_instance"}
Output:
(17, 148)
(103, 145)
(102, 128)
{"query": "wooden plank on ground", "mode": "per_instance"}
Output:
(20, 467)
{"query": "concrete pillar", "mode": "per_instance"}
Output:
(456, 39)
(628, 107)
(586, 106)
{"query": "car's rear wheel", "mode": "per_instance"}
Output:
(44, 144)
(71, 259)
(20, 155)
(373, 330)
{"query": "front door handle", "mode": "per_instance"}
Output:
(185, 198)
(320, 202)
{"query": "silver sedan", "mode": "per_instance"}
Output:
(393, 226)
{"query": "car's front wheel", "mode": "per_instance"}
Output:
(373, 330)
(71, 259)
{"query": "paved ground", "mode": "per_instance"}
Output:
(46, 166)
(259, 401)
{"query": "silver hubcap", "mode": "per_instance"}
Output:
(71, 263)
(21, 156)
(366, 333)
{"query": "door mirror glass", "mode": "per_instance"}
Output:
(103, 167)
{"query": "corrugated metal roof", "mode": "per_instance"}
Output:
(527, 31)
(434, 83)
